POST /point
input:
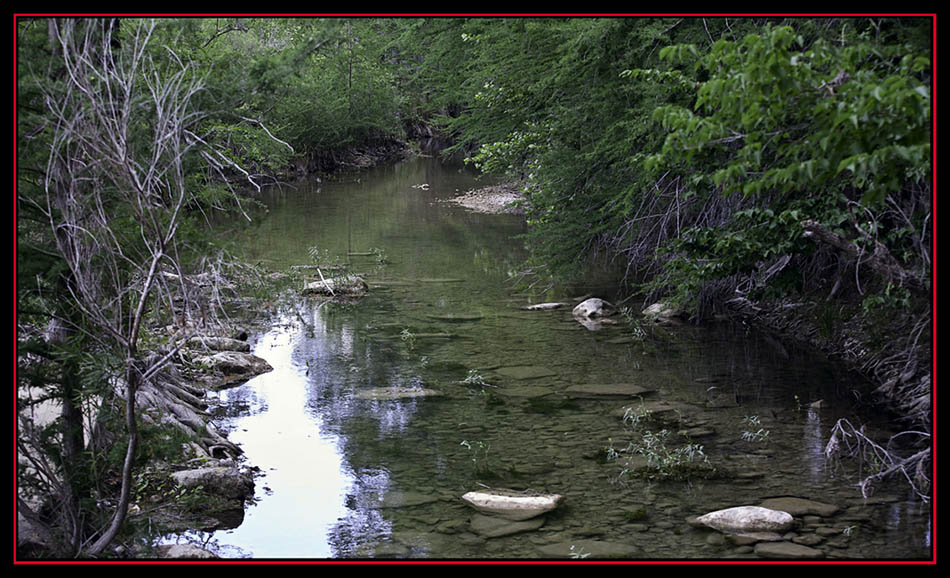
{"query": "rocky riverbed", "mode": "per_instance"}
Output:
(502, 198)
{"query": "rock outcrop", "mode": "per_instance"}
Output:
(232, 367)
(225, 481)
(662, 313)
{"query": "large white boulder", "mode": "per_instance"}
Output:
(743, 519)
(593, 308)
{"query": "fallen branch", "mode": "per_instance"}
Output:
(887, 463)
(879, 259)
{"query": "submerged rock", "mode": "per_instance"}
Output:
(526, 391)
(787, 551)
(698, 432)
(662, 410)
(583, 549)
(392, 393)
(545, 306)
(608, 390)
(525, 372)
(745, 519)
(800, 506)
(439, 280)
(396, 499)
(456, 317)
(511, 505)
(494, 527)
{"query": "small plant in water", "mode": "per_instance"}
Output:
(479, 454)
(578, 554)
(636, 330)
(409, 338)
(380, 256)
(665, 462)
(754, 432)
(474, 378)
(632, 416)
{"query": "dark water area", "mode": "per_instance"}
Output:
(352, 471)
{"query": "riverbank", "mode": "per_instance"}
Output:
(893, 353)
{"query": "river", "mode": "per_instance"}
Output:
(348, 473)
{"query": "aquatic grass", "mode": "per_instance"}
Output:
(664, 461)
(754, 432)
(478, 455)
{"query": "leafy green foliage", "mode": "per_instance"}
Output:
(782, 117)
(803, 131)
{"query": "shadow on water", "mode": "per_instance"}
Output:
(352, 471)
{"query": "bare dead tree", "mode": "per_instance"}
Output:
(115, 190)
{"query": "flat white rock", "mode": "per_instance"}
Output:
(512, 505)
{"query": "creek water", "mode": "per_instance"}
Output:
(350, 473)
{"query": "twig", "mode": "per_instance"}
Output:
(325, 284)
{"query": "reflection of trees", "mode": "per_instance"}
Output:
(813, 445)
(339, 363)
(364, 523)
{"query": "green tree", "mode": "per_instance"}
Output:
(824, 140)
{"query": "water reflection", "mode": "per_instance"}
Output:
(813, 444)
(305, 480)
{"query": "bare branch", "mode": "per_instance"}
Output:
(879, 258)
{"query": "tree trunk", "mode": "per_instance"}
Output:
(118, 518)
(72, 438)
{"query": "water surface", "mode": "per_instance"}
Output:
(349, 476)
